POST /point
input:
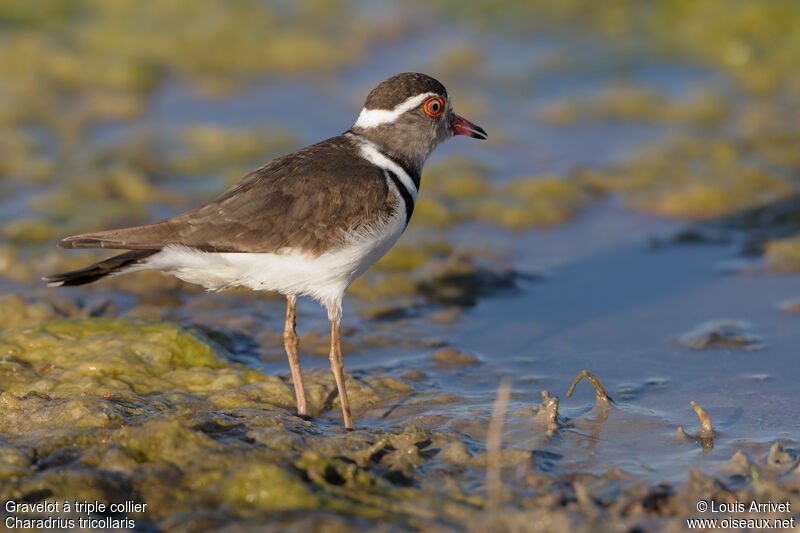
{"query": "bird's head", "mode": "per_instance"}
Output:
(409, 115)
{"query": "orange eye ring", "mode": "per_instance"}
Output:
(433, 106)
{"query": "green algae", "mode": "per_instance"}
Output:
(403, 258)
(165, 417)
(111, 71)
(459, 191)
(752, 42)
(22, 157)
(453, 358)
(692, 178)
(457, 59)
(431, 271)
(126, 359)
(119, 54)
(69, 70)
(628, 102)
(80, 355)
(535, 202)
(369, 395)
(12, 266)
(16, 312)
(37, 414)
(451, 189)
(736, 143)
(123, 59)
(267, 487)
(205, 148)
(783, 255)
(30, 231)
(233, 454)
(425, 266)
(722, 334)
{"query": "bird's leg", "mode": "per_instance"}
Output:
(337, 365)
(291, 342)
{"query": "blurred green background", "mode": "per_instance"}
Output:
(117, 113)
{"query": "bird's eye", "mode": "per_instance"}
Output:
(434, 106)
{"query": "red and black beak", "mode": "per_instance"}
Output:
(462, 126)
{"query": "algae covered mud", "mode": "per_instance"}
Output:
(634, 214)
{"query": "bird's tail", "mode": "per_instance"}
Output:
(114, 265)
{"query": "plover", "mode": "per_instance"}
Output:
(305, 224)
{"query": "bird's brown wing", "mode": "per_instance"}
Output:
(305, 200)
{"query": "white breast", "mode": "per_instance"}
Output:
(324, 277)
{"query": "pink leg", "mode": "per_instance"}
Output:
(291, 342)
(337, 365)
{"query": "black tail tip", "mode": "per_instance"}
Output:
(112, 266)
(71, 279)
(55, 280)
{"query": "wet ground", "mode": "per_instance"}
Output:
(605, 226)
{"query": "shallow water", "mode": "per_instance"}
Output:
(610, 291)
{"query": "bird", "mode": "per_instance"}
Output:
(304, 224)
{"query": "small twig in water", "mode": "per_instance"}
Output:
(548, 412)
(601, 398)
(706, 433)
(493, 439)
(705, 423)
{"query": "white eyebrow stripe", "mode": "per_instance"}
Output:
(370, 118)
(371, 153)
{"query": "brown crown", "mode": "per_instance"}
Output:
(395, 90)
